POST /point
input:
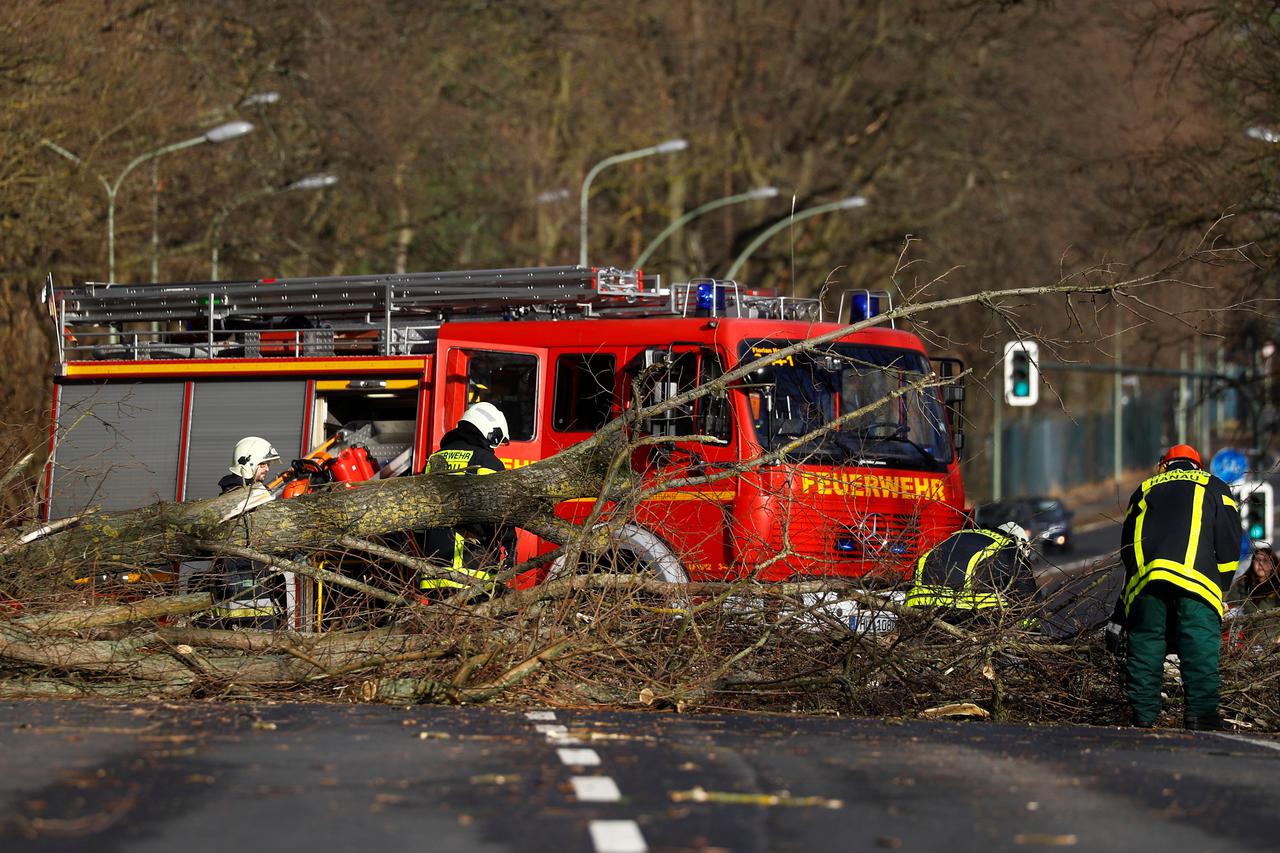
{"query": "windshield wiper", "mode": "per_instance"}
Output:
(901, 433)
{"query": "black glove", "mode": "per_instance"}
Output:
(1114, 637)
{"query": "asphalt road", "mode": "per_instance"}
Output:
(192, 778)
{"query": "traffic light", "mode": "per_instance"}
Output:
(1257, 506)
(1021, 373)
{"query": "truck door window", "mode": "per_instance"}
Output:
(509, 381)
(584, 392)
(664, 374)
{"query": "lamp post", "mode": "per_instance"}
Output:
(843, 204)
(310, 182)
(669, 147)
(1263, 134)
(221, 133)
(753, 195)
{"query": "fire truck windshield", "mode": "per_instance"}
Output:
(800, 393)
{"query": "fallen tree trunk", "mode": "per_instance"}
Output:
(119, 614)
(162, 532)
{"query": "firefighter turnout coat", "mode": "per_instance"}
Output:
(476, 550)
(975, 569)
(1182, 529)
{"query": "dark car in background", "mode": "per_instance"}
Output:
(1046, 519)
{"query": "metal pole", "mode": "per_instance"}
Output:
(1182, 399)
(1220, 401)
(1203, 409)
(762, 192)
(997, 439)
(844, 203)
(155, 221)
(668, 147)
(1117, 405)
(112, 189)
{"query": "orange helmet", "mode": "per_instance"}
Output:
(1181, 451)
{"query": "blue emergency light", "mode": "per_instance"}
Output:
(710, 295)
(864, 306)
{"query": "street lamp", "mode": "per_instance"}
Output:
(758, 193)
(843, 204)
(1263, 134)
(221, 133)
(551, 196)
(260, 99)
(310, 182)
(669, 147)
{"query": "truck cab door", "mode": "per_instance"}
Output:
(698, 443)
(508, 376)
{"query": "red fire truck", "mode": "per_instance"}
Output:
(156, 383)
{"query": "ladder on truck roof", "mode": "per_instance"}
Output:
(431, 295)
(391, 314)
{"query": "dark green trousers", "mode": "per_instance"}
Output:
(1161, 621)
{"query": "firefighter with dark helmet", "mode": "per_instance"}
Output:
(475, 551)
(1180, 545)
(976, 574)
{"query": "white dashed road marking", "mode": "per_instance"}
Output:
(595, 789)
(579, 757)
(607, 836)
(617, 836)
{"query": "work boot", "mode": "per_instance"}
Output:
(1206, 723)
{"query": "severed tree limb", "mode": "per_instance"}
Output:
(114, 657)
(116, 614)
(523, 669)
(314, 572)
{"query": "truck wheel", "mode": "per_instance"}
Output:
(634, 550)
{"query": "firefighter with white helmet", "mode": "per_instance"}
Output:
(489, 420)
(473, 551)
(976, 574)
(250, 462)
(248, 594)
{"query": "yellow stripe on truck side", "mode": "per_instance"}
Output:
(265, 366)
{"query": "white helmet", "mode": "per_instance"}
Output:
(251, 452)
(489, 419)
(1016, 531)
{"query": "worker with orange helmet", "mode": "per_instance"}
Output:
(1180, 543)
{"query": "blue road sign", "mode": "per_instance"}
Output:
(1229, 465)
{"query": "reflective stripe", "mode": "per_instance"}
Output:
(477, 574)
(1137, 539)
(1227, 500)
(1209, 593)
(245, 609)
(1230, 566)
(1193, 534)
(966, 598)
(926, 595)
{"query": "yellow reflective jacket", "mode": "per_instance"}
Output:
(476, 550)
(972, 570)
(1181, 531)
